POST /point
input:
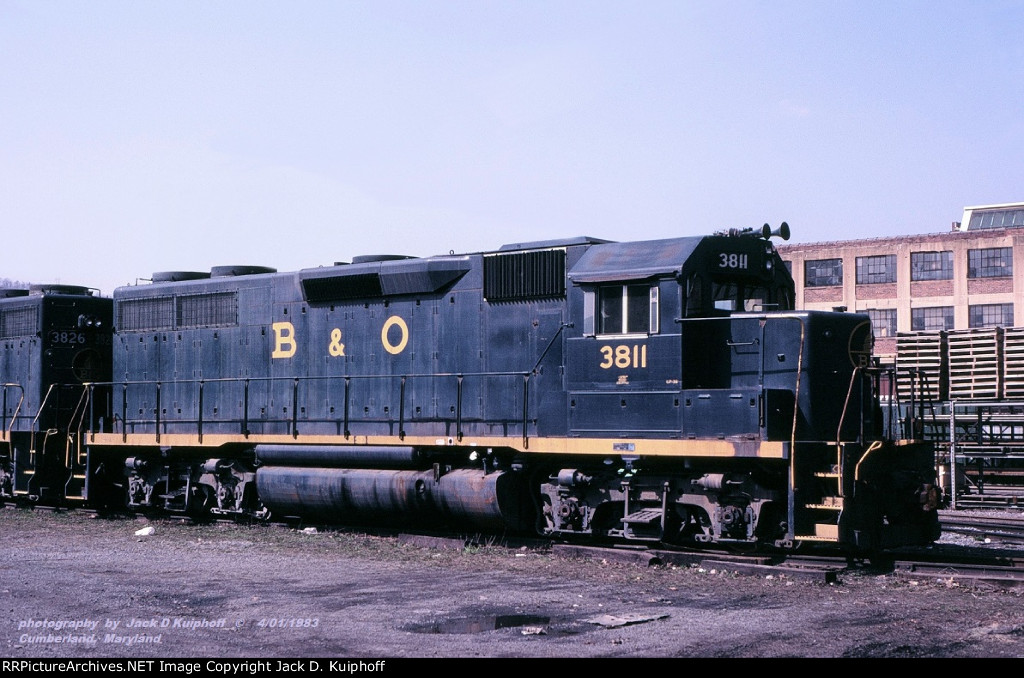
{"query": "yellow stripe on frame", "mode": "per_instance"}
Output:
(741, 449)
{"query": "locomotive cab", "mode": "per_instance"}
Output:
(651, 320)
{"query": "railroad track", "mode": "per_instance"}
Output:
(1008, 576)
(1007, 528)
(993, 498)
(996, 557)
(965, 567)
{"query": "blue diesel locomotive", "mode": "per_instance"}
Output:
(660, 391)
(53, 339)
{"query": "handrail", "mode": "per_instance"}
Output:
(14, 416)
(875, 445)
(32, 434)
(348, 385)
(551, 343)
(526, 413)
(401, 410)
(295, 408)
(846, 403)
(35, 420)
(6, 429)
(293, 419)
(458, 408)
(74, 440)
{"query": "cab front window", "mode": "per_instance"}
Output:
(734, 297)
(730, 296)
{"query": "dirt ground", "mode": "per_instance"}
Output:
(75, 586)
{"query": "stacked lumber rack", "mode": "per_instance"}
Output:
(921, 366)
(975, 359)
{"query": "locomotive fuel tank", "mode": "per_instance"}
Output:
(497, 501)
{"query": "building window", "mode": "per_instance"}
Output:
(931, 265)
(933, 318)
(621, 309)
(876, 269)
(883, 321)
(990, 315)
(996, 219)
(823, 273)
(994, 262)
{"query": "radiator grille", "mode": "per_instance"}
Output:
(524, 275)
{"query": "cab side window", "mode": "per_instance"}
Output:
(621, 309)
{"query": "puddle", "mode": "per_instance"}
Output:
(482, 623)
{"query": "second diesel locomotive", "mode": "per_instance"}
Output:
(659, 391)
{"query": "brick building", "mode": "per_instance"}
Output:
(956, 280)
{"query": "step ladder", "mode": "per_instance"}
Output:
(827, 507)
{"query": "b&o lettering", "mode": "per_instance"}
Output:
(394, 321)
(284, 340)
(336, 348)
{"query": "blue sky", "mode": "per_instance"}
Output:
(154, 136)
